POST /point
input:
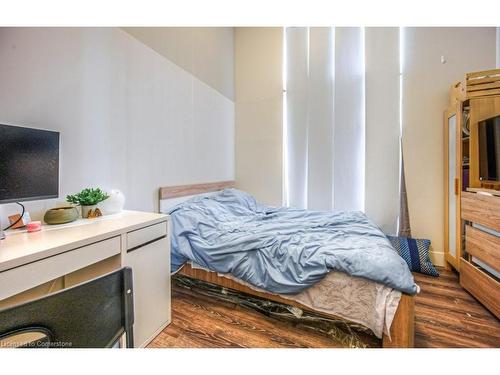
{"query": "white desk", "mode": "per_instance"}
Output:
(34, 264)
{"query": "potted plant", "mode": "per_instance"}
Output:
(88, 199)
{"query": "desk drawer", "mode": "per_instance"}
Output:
(143, 236)
(22, 278)
(481, 209)
(482, 286)
(483, 246)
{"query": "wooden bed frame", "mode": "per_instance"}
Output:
(402, 328)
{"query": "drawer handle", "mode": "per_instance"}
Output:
(146, 243)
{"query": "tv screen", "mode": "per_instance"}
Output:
(29, 164)
(489, 149)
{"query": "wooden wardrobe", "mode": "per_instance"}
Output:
(472, 204)
(474, 99)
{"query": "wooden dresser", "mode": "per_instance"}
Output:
(473, 100)
(480, 263)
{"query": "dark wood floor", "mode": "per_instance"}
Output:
(446, 316)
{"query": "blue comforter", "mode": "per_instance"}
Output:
(280, 249)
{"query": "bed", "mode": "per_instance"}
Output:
(398, 328)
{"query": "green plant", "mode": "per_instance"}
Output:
(87, 197)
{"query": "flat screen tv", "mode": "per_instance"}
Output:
(29, 164)
(489, 149)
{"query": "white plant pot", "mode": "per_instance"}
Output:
(86, 210)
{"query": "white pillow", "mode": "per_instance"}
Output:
(167, 204)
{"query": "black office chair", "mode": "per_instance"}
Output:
(94, 314)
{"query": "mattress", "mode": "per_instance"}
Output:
(356, 299)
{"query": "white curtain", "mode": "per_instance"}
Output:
(320, 126)
(349, 127)
(382, 126)
(297, 98)
(335, 159)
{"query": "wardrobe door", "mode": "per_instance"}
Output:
(452, 182)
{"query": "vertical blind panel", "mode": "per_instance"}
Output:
(382, 126)
(349, 132)
(297, 114)
(320, 129)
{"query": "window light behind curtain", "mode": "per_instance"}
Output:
(336, 160)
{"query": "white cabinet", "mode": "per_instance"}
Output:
(148, 256)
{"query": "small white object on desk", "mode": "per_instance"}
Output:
(114, 203)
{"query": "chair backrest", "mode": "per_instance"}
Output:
(94, 314)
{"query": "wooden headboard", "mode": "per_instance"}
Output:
(168, 192)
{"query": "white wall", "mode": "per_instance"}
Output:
(129, 118)
(498, 47)
(259, 112)
(205, 52)
(425, 97)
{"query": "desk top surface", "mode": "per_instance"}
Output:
(19, 248)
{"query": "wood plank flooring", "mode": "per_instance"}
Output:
(446, 316)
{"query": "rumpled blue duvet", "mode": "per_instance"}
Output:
(280, 249)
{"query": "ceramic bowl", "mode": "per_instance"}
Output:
(61, 215)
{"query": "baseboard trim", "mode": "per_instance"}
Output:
(437, 257)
